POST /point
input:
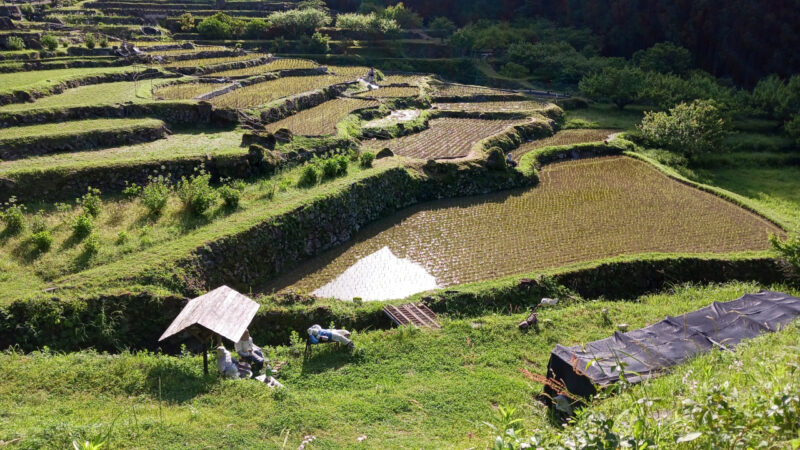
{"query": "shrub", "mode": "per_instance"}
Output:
(38, 223)
(42, 241)
(514, 70)
(789, 249)
(14, 217)
(316, 43)
(309, 175)
(155, 195)
(83, 226)
(620, 85)
(15, 43)
(405, 17)
(89, 41)
(196, 193)
(103, 42)
(366, 160)
(690, 129)
(330, 168)
(123, 237)
(366, 23)
(230, 196)
(297, 22)
(132, 190)
(214, 28)
(91, 202)
(187, 22)
(49, 42)
(92, 245)
(256, 29)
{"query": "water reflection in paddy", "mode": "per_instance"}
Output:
(582, 210)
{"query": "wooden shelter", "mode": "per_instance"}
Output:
(222, 312)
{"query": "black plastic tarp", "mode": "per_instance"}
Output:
(645, 352)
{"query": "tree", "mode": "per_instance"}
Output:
(777, 98)
(792, 127)
(49, 42)
(406, 18)
(15, 43)
(298, 22)
(621, 86)
(444, 26)
(316, 43)
(688, 128)
(213, 28)
(187, 22)
(256, 29)
(664, 57)
(514, 70)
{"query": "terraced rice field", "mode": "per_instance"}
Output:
(392, 92)
(563, 137)
(280, 64)
(401, 79)
(462, 90)
(526, 105)
(93, 94)
(582, 211)
(349, 71)
(204, 62)
(185, 91)
(444, 138)
(263, 93)
(185, 51)
(321, 120)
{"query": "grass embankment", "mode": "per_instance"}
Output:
(131, 240)
(402, 388)
(38, 79)
(95, 94)
(76, 128)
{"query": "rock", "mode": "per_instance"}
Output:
(187, 46)
(283, 135)
(266, 140)
(384, 153)
(151, 31)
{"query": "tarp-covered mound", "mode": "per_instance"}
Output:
(647, 351)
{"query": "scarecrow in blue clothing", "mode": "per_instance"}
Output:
(319, 335)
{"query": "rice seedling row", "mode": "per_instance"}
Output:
(321, 120)
(563, 137)
(263, 93)
(352, 72)
(444, 138)
(391, 92)
(527, 105)
(272, 66)
(461, 90)
(582, 210)
(185, 91)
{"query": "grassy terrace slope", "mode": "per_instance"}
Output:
(403, 388)
(95, 94)
(582, 211)
(46, 78)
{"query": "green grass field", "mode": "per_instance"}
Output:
(46, 78)
(94, 94)
(73, 127)
(401, 388)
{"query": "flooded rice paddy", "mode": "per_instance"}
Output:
(581, 211)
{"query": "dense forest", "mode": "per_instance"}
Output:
(743, 39)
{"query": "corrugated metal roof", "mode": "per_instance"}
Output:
(223, 311)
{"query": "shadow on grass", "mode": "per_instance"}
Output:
(326, 357)
(178, 383)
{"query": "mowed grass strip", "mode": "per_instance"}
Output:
(185, 142)
(403, 388)
(45, 78)
(321, 120)
(582, 211)
(76, 127)
(444, 138)
(280, 64)
(263, 93)
(563, 137)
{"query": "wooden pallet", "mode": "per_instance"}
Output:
(412, 313)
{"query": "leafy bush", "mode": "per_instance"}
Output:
(83, 226)
(89, 41)
(514, 70)
(621, 86)
(664, 57)
(103, 42)
(405, 17)
(49, 42)
(256, 29)
(15, 43)
(298, 22)
(334, 166)
(132, 190)
(789, 248)
(196, 193)
(792, 128)
(230, 195)
(14, 217)
(690, 129)
(309, 175)
(92, 245)
(220, 26)
(366, 160)
(91, 202)
(366, 23)
(156, 194)
(316, 43)
(42, 241)
(187, 22)
(443, 25)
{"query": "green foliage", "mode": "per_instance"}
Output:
(196, 193)
(14, 217)
(256, 29)
(91, 202)
(366, 159)
(691, 129)
(298, 22)
(620, 86)
(92, 245)
(220, 26)
(316, 43)
(42, 240)
(15, 43)
(132, 190)
(309, 175)
(789, 248)
(366, 23)
(792, 128)
(231, 193)
(103, 42)
(155, 195)
(50, 42)
(89, 41)
(404, 17)
(664, 57)
(443, 25)
(187, 22)
(667, 90)
(777, 98)
(514, 70)
(82, 226)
